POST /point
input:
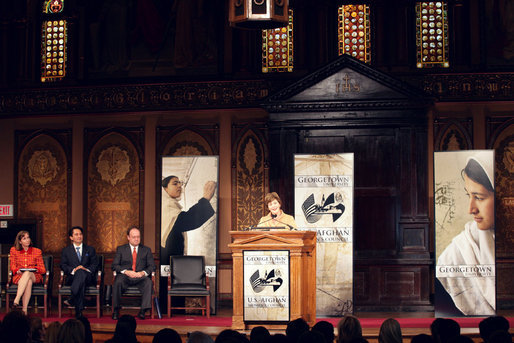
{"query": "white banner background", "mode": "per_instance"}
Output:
(324, 202)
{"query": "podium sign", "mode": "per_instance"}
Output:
(266, 285)
(269, 250)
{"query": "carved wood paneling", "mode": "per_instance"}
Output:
(504, 182)
(452, 134)
(114, 190)
(249, 175)
(395, 287)
(188, 141)
(43, 186)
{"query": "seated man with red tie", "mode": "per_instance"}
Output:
(133, 264)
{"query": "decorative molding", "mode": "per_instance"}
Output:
(466, 87)
(345, 61)
(133, 98)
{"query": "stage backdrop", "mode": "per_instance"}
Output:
(324, 202)
(187, 217)
(464, 233)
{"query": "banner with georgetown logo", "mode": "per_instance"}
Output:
(324, 203)
(266, 285)
(464, 211)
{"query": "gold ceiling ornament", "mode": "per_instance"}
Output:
(258, 14)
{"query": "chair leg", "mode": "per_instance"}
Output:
(153, 306)
(46, 305)
(59, 305)
(169, 306)
(208, 306)
(6, 302)
(98, 306)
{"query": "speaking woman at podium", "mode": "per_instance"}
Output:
(276, 217)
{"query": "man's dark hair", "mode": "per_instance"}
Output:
(295, 328)
(259, 334)
(15, 328)
(444, 329)
(167, 335)
(70, 231)
(130, 229)
(491, 324)
(326, 329)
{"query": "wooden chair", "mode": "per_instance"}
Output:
(188, 279)
(93, 290)
(132, 292)
(40, 289)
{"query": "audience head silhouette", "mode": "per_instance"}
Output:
(348, 328)
(390, 332)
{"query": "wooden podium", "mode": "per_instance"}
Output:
(301, 246)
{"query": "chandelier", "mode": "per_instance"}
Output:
(258, 14)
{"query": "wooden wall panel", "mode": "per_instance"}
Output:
(392, 287)
(250, 181)
(503, 143)
(43, 188)
(114, 197)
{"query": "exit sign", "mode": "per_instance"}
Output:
(6, 210)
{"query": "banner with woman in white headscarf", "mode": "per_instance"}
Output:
(465, 239)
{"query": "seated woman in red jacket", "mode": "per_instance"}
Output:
(27, 267)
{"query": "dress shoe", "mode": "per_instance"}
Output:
(15, 306)
(115, 315)
(68, 302)
(141, 314)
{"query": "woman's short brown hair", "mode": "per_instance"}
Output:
(19, 236)
(272, 196)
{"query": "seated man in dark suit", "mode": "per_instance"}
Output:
(133, 264)
(79, 262)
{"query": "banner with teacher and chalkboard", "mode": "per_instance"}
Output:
(324, 203)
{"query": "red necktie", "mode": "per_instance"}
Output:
(134, 257)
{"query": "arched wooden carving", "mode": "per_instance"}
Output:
(187, 143)
(452, 136)
(43, 190)
(113, 191)
(250, 180)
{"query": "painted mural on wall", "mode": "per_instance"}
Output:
(113, 192)
(43, 190)
(324, 202)
(464, 195)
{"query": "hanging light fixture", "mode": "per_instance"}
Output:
(258, 14)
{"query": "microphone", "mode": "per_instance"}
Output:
(290, 226)
(251, 227)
